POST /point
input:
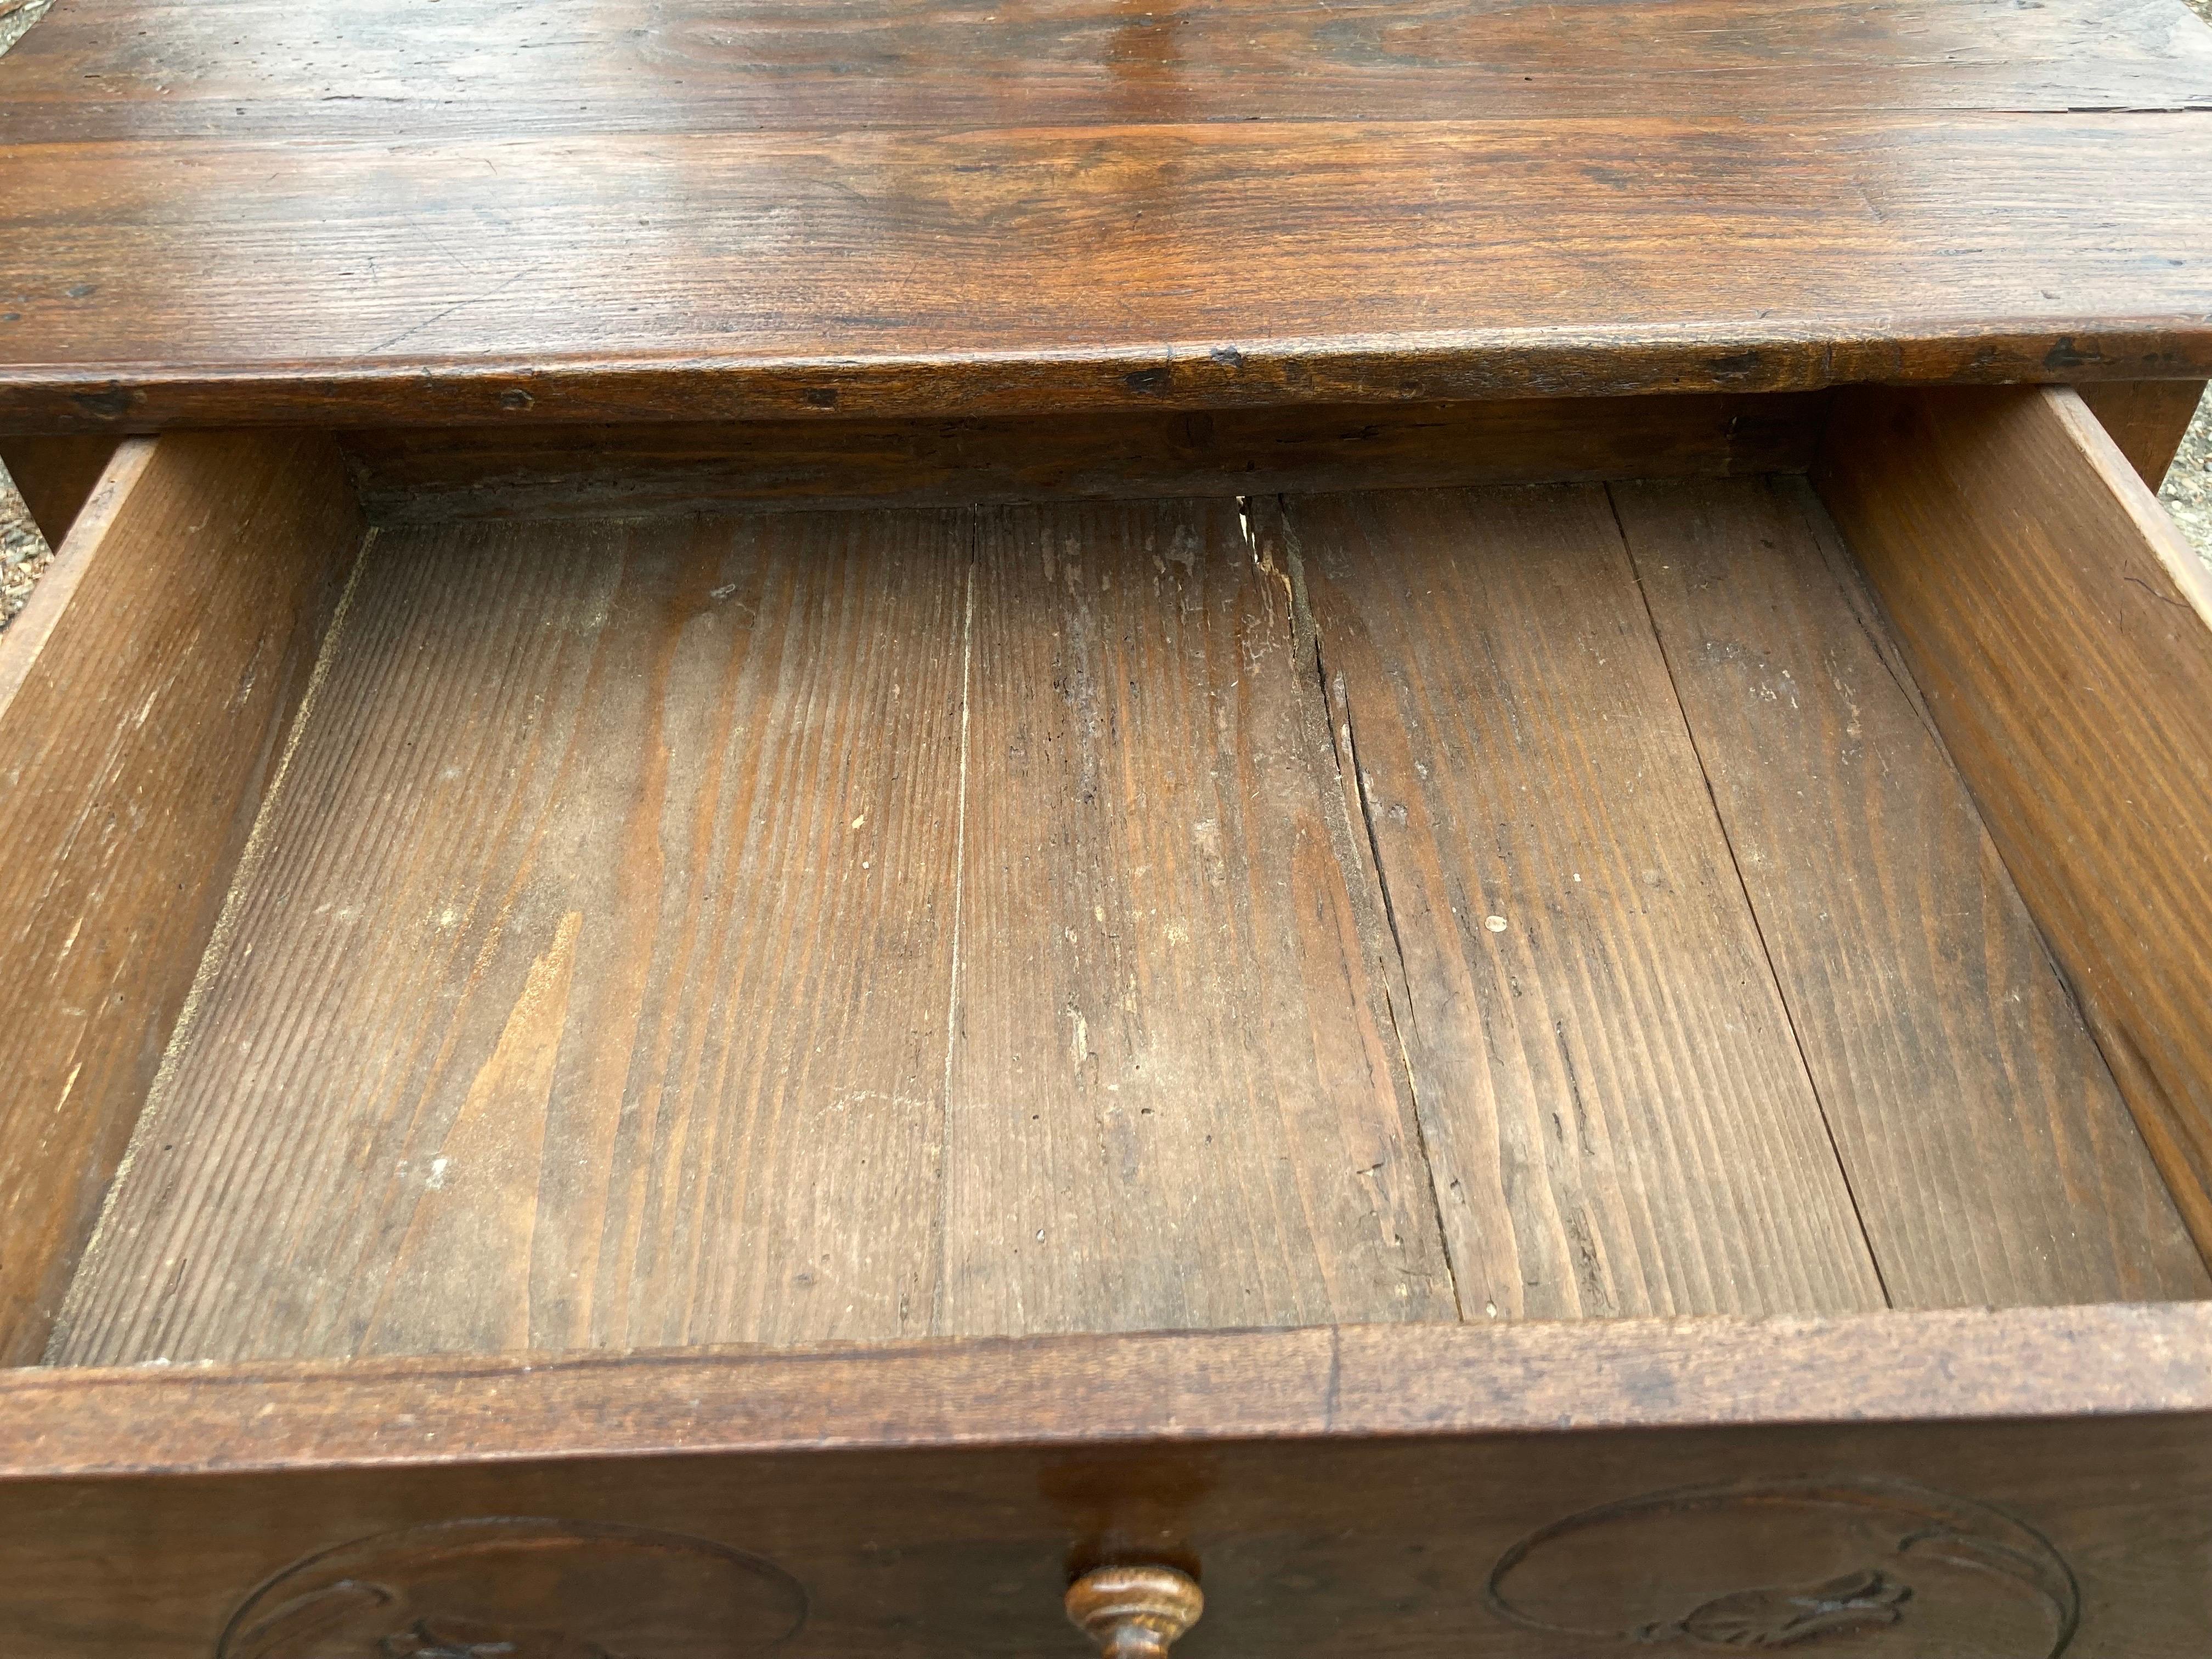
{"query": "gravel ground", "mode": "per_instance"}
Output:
(17, 16)
(22, 551)
(2188, 492)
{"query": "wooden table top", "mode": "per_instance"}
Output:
(369, 211)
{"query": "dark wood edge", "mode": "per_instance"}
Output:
(1441, 367)
(56, 476)
(435, 474)
(2148, 419)
(1362, 1382)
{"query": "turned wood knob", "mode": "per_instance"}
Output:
(1134, 1613)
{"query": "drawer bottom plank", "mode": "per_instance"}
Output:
(1593, 1031)
(1990, 1155)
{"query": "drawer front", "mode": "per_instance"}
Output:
(1415, 1491)
(1869, 1541)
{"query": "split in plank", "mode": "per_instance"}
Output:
(1096, 916)
(667, 932)
(1619, 1119)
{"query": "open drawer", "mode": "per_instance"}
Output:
(1512, 1069)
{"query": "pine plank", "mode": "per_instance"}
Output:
(1173, 1102)
(1620, 1119)
(1993, 1159)
(595, 982)
(573, 1002)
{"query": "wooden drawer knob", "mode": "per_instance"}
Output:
(1134, 1613)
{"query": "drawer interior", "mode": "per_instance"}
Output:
(762, 926)
(772, 926)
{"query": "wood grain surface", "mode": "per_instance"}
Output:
(2148, 419)
(103, 70)
(562, 1010)
(428, 475)
(143, 693)
(1143, 260)
(1619, 1119)
(2061, 630)
(1344, 1491)
(1144, 917)
(674, 933)
(1172, 1097)
(1358, 1381)
(1991, 1156)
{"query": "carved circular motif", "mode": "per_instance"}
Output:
(1860, 1566)
(506, 1588)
